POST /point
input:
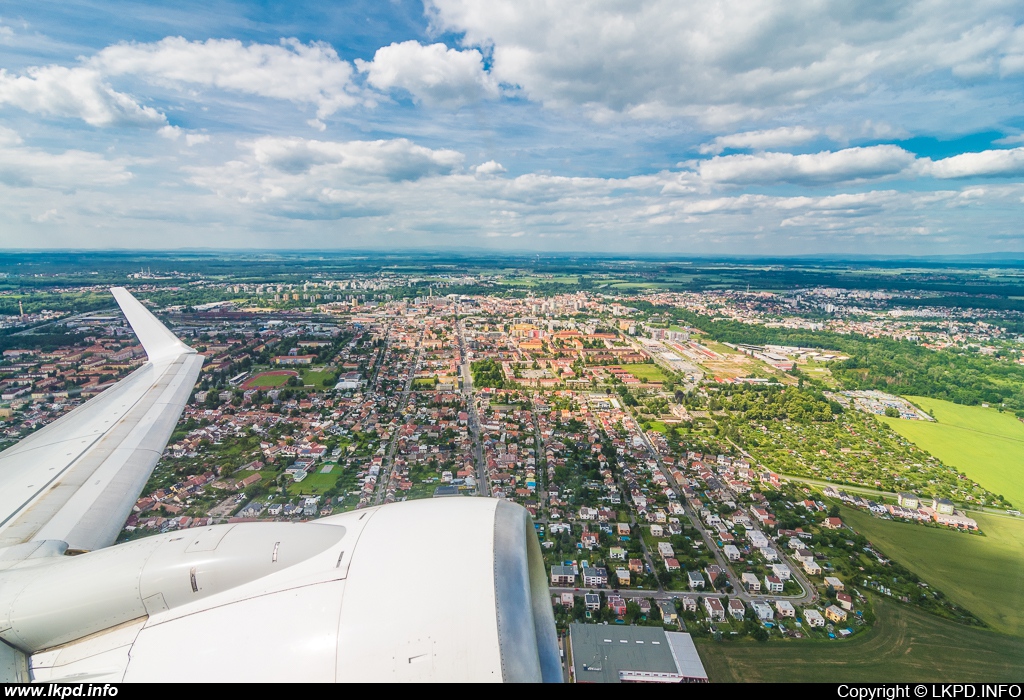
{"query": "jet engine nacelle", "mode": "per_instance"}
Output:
(450, 589)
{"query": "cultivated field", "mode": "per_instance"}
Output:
(986, 445)
(984, 574)
(905, 645)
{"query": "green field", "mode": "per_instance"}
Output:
(905, 645)
(986, 445)
(318, 379)
(313, 484)
(267, 380)
(645, 372)
(984, 574)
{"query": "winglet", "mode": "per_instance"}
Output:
(159, 343)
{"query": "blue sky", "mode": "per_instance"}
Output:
(650, 126)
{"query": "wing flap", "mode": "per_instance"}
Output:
(76, 479)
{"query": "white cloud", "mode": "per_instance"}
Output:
(300, 73)
(732, 59)
(1010, 140)
(193, 139)
(994, 163)
(782, 137)
(171, 133)
(22, 166)
(434, 75)
(79, 92)
(491, 167)
(809, 169)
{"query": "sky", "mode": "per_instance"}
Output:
(654, 127)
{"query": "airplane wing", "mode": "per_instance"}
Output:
(76, 479)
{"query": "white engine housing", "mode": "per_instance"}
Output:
(448, 590)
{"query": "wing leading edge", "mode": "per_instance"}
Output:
(76, 479)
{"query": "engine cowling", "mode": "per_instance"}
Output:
(450, 589)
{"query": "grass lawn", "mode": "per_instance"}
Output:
(269, 379)
(986, 445)
(314, 483)
(983, 574)
(318, 378)
(645, 372)
(905, 645)
(659, 427)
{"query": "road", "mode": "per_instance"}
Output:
(389, 458)
(809, 592)
(482, 486)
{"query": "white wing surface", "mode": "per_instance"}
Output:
(76, 479)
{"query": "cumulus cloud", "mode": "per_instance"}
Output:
(23, 166)
(994, 163)
(491, 167)
(810, 169)
(782, 137)
(434, 75)
(79, 92)
(732, 59)
(300, 73)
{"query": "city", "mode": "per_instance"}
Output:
(676, 480)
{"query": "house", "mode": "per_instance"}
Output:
(812, 568)
(622, 529)
(784, 608)
(594, 576)
(908, 500)
(845, 601)
(636, 566)
(769, 554)
(834, 582)
(731, 552)
(623, 576)
(757, 539)
(695, 579)
(813, 618)
(832, 523)
(762, 610)
(713, 571)
(715, 609)
(562, 576)
(657, 531)
(943, 506)
(750, 582)
(781, 571)
(689, 604)
(773, 584)
(668, 611)
(592, 601)
(567, 599)
(803, 555)
(665, 550)
(737, 609)
(672, 564)
(835, 614)
(617, 553)
(617, 605)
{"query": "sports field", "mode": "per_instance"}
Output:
(983, 443)
(645, 372)
(984, 574)
(905, 645)
(268, 380)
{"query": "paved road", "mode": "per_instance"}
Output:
(482, 485)
(389, 458)
(809, 593)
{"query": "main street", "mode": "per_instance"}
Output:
(381, 489)
(482, 486)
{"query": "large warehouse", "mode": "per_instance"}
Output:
(629, 654)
